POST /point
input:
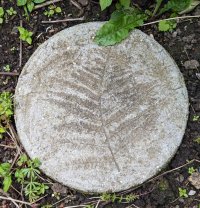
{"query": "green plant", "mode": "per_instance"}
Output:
(13, 48)
(1, 14)
(52, 9)
(130, 198)
(182, 193)
(191, 170)
(118, 27)
(6, 174)
(6, 111)
(115, 198)
(27, 174)
(7, 68)
(11, 11)
(47, 206)
(197, 140)
(167, 25)
(126, 18)
(195, 118)
(163, 185)
(6, 106)
(28, 5)
(25, 35)
(158, 4)
(176, 6)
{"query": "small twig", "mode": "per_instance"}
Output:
(15, 201)
(98, 203)
(9, 73)
(8, 146)
(46, 4)
(15, 190)
(15, 159)
(193, 108)
(81, 205)
(40, 199)
(49, 182)
(20, 48)
(77, 5)
(15, 139)
(7, 195)
(22, 188)
(162, 174)
(14, 134)
(172, 18)
(64, 20)
(59, 201)
(172, 170)
(132, 205)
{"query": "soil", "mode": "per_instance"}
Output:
(183, 44)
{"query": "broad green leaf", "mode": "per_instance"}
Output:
(105, 3)
(1, 20)
(30, 6)
(21, 2)
(125, 3)
(7, 183)
(119, 26)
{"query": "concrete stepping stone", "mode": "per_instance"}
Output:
(100, 118)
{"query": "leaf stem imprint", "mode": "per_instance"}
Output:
(101, 117)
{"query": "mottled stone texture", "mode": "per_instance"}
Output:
(100, 118)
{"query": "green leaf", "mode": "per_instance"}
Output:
(1, 11)
(125, 3)
(1, 20)
(58, 10)
(105, 3)
(175, 6)
(167, 25)
(29, 40)
(30, 6)
(39, 1)
(158, 3)
(21, 2)
(21, 30)
(190, 7)
(50, 12)
(4, 169)
(7, 183)
(119, 26)
(22, 160)
(25, 35)
(2, 130)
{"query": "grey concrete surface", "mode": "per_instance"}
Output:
(100, 118)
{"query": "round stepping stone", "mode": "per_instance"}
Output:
(100, 118)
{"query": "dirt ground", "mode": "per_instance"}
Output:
(183, 44)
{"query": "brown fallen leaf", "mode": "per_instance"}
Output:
(194, 179)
